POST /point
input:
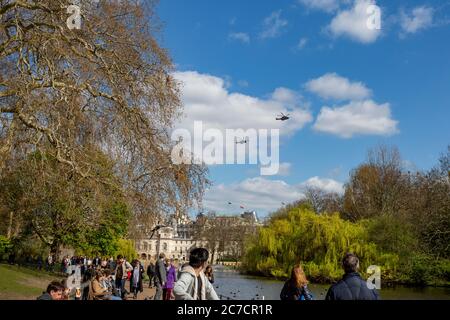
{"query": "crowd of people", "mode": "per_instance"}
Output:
(99, 279)
(106, 279)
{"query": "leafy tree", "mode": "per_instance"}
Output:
(58, 208)
(127, 249)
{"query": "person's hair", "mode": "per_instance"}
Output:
(119, 257)
(98, 275)
(350, 263)
(106, 273)
(298, 276)
(55, 286)
(162, 255)
(198, 257)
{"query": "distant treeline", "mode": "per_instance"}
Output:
(395, 218)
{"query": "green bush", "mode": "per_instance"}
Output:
(5, 246)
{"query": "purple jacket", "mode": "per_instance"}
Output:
(171, 278)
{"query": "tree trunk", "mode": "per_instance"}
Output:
(55, 250)
(10, 225)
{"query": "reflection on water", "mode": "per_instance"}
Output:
(240, 287)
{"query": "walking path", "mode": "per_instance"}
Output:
(148, 293)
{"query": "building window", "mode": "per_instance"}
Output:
(165, 246)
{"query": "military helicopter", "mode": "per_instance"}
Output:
(245, 141)
(283, 117)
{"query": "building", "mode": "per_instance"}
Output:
(180, 235)
(176, 240)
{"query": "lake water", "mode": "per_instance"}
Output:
(234, 286)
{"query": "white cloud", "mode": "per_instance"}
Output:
(262, 195)
(206, 99)
(323, 5)
(273, 25)
(352, 23)
(333, 86)
(357, 118)
(286, 96)
(239, 36)
(418, 19)
(327, 185)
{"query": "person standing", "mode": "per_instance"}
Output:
(136, 278)
(121, 272)
(192, 283)
(352, 286)
(151, 273)
(160, 276)
(296, 288)
(209, 273)
(49, 262)
(171, 279)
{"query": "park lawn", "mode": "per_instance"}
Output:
(19, 283)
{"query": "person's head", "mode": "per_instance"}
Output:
(162, 255)
(98, 275)
(120, 258)
(56, 290)
(350, 263)
(198, 258)
(106, 273)
(176, 263)
(298, 276)
(209, 270)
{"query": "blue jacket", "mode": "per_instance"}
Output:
(351, 287)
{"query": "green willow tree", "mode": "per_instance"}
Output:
(316, 241)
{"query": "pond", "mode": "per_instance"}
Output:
(235, 286)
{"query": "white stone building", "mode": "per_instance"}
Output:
(176, 239)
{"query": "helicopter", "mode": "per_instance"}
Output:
(245, 141)
(283, 117)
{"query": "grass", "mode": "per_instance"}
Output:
(19, 283)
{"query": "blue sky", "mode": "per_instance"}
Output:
(359, 87)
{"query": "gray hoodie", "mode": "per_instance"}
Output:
(186, 287)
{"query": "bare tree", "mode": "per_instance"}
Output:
(107, 85)
(377, 186)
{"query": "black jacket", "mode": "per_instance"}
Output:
(151, 270)
(351, 287)
(291, 292)
(139, 284)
